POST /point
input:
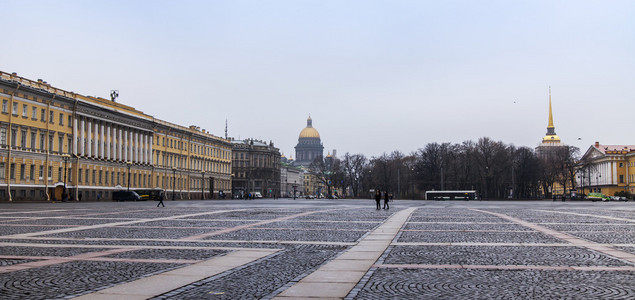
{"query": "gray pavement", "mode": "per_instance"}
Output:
(303, 249)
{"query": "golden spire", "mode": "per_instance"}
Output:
(550, 113)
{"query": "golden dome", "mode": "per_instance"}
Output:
(309, 131)
(551, 138)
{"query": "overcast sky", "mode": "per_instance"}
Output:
(375, 76)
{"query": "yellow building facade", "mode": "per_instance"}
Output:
(607, 169)
(51, 139)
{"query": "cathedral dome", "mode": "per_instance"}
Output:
(309, 131)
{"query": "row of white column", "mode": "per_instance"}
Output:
(104, 140)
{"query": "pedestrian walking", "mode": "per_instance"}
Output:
(378, 199)
(386, 200)
(161, 198)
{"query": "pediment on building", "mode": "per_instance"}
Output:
(593, 153)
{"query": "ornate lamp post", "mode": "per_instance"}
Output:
(128, 164)
(203, 184)
(294, 187)
(65, 157)
(173, 183)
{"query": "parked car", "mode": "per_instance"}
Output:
(125, 196)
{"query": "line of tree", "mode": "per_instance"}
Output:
(494, 169)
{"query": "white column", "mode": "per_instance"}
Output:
(145, 148)
(125, 145)
(102, 141)
(131, 143)
(75, 137)
(96, 136)
(108, 141)
(152, 153)
(89, 141)
(137, 146)
(120, 144)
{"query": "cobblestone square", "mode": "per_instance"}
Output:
(286, 249)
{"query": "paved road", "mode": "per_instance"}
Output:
(286, 249)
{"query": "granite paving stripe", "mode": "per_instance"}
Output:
(589, 215)
(162, 283)
(67, 259)
(372, 246)
(114, 224)
(246, 226)
(568, 238)
(508, 267)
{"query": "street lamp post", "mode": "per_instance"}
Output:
(65, 157)
(173, 183)
(128, 164)
(294, 187)
(597, 182)
(202, 184)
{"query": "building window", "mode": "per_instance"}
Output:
(25, 110)
(51, 117)
(60, 146)
(59, 174)
(22, 171)
(43, 115)
(50, 142)
(32, 172)
(23, 139)
(61, 119)
(106, 178)
(15, 109)
(79, 176)
(68, 147)
(42, 141)
(70, 119)
(100, 175)
(87, 180)
(12, 171)
(14, 134)
(33, 140)
(2, 171)
(94, 175)
(3, 136)
(41, 171)
(621, 178)
(5, 106)
(50, 173)
(34, 113)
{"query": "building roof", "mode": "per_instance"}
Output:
(614, 149)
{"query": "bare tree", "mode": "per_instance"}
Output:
(353, 167)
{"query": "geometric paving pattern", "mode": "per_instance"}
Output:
(287, 249)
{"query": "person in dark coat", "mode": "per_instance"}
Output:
(386, 199)
(161, 198)
(378, 199)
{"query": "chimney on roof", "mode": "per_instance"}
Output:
(597, 144)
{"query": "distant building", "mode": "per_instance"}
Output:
(309, 145)
(291, 179)
(551, 139)
(607, 169)
(551, 146)
(56, 144)
(256, 168)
